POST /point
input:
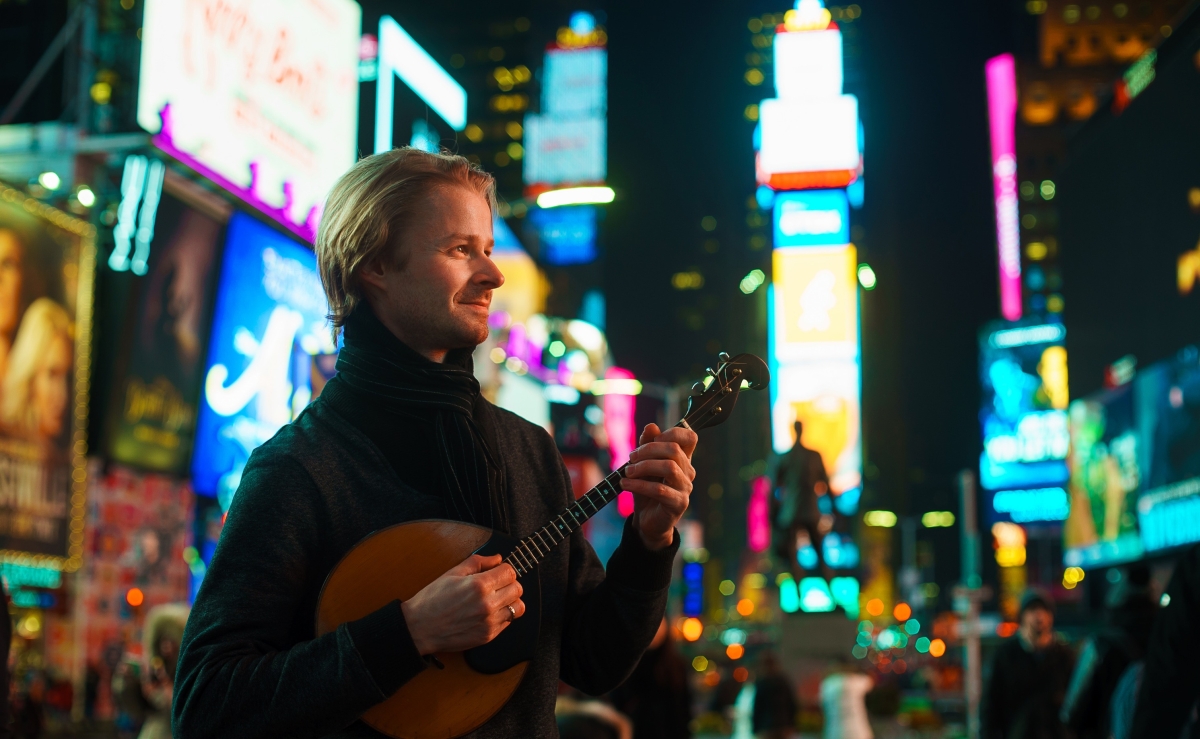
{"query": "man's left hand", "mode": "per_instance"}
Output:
(660, 475)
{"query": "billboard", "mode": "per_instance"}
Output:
(808, 64)
(815, 303)
(564, 235)
(153, 418)
(46, 269)
(269, 353)
(1023, 371)
(565, 150)
(812, 218)
(575, 82)
(1101, 528)
(259, 95)
(809, 142)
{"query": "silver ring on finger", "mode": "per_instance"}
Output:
(513, 611)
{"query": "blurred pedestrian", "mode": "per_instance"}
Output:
(1029, 677)
(1170, 686)
(799, 481)
(1107, 654)
(843, 700)
(656, 696)
(774, 713)
(146, 689)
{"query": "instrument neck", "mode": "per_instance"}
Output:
(533, 548)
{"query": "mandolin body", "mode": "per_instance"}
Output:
(394, 564)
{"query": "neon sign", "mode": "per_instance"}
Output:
(401, 56)
(259, 96)
(812, 218)
(1002, 111)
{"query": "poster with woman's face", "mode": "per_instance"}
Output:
(157, 390)
(45, 322)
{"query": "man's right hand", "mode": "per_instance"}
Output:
(465, 607)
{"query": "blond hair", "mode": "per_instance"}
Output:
(369, 208)
(44, 322)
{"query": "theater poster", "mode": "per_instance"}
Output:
(46, 268)
(152, 420)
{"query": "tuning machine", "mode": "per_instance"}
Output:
(697, 389)
(723, 357)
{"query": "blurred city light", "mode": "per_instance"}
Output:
(692, 629)
(700, 663)
(575, 196)
(902, 612)
(937, 519)
(752, 281)
(937, 648)
(866, 276)
(882, 519)
(49, 180)
(85, 196)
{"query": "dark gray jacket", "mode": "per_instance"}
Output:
(251, 665)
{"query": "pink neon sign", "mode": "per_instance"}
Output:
(1002, 116)
(758, 517)
(619, 426)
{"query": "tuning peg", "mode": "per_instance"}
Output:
(697, 389)
(710, 372)
(723, 357)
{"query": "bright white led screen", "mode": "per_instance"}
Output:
(808, 64)
(809, 135)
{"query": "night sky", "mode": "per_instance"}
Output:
(680, 149)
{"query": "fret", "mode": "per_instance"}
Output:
(582, 512)
(538, 534)
(550, 534)
(588, 498)
(563, 525)
(521, 555)
(532, 559)
(528, 542)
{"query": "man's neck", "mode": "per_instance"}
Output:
(438, 356)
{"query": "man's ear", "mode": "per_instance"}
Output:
(372, 275)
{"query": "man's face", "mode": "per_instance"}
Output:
(1037, 620)
(439, 299)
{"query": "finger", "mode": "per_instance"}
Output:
(497, 577)
(649, 433)
(666, 471)
(671, 499)
(685, 438)
(663, 450)
(505, 596)
(475, 564)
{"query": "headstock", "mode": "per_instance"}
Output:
(712, 399)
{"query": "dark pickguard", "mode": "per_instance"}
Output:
(516, 643)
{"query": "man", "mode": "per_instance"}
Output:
(1029, 677)
(402, 433)
(799, 481)
(1169, 693)
(1108, 652)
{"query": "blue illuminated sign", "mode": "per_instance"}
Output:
(269, 338)
(693, 588)
(818, 596)
(812, 218)
(1000, 475)
(566, 235)
(1027, 506)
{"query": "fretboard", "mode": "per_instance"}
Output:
(533, 548)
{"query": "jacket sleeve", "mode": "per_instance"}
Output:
(1170, 681)
(610, 618)
(243, 673)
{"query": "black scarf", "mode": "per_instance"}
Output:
(444, 396)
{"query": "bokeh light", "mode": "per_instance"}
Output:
(902, 612)
(692, 629)
(937, 648)
(745, 606)
(135, 597)
(700, 663)
(735, 651)
(875, 607)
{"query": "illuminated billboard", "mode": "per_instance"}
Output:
(261, 96)
(1023, 371)
(1101, 528)
(812, 218)
(809, 143)
(269, 353)
(562, 150)
(824, 396)
(808, 64)
(565, 235)
(575, 82)
(1001, 77)
(152, 416)
(400, 56)
(815, 304)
